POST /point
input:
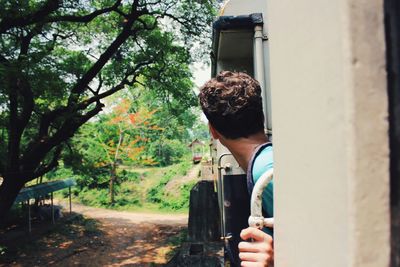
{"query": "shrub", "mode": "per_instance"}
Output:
(157, 193)
(128, 176)
(97, 198)
(169, 152)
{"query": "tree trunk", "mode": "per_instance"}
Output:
(115, 165)
(9, 190)
(112, 182)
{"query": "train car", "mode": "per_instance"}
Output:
(329, 73)
(240, 43)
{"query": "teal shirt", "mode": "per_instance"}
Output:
(262, 163)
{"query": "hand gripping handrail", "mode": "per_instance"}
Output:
(256, 219)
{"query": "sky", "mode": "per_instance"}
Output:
(201, 73)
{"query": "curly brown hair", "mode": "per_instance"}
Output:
(232, 104)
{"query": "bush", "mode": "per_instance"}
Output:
(157, 193)
(96, 198)
(170, 152)
(98, 179)
(128, 196)
(94, 191)
(62, 173)
(128, 176)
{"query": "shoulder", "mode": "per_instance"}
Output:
(262, 162)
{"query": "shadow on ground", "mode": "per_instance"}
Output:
(78, 241)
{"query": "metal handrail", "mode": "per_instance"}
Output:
(256, 219)
(221, 193)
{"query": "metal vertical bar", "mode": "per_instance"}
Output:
(69, 195)
(221, 192)
(52, 208)
(259, 70)
(221, 203)
(29, 216)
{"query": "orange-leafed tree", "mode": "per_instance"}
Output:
(126, 139)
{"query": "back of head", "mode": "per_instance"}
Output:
(232, 103)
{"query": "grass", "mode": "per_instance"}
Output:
(141, 189)
(157, 193)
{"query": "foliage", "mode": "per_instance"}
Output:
(100, 198)
(200, 131)
(129, 176)
(124, 134)
(133, 192)
(168, 152)
(60, 59)
(157, 193)
(145, 141)
(178, 203)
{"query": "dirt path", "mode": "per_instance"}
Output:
(129, 217)
(105, 238)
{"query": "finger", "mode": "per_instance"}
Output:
(252, 247)
(254, 257)
(251, 264)
(254, 233)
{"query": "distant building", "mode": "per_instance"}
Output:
(197, 148)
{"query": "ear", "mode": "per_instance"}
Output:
(214, 133)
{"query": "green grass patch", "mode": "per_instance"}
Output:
(157, 193)
(140, 189)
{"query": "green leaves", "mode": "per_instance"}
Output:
(59, 60)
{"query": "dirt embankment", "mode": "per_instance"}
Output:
(172, 187)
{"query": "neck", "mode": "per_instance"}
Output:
(243, 148)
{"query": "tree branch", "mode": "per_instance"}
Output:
(51, 116)
(86, 18)
(4, 61)
(12, 21)
(145, 26)
(13, 140)
(43, 169)
(1, 169)
(26, 40)
(82, 84)
(100, 84)
(151, 3)
(28, 104)
(182, 21)
(42, 15)
(47, 119)
(39, 150)
(116, 88)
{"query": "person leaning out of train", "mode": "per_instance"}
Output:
(233, 106)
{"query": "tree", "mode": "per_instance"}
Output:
(127, 128)
(60, 59)
(176, 120)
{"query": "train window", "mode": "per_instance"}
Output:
(235, 51)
